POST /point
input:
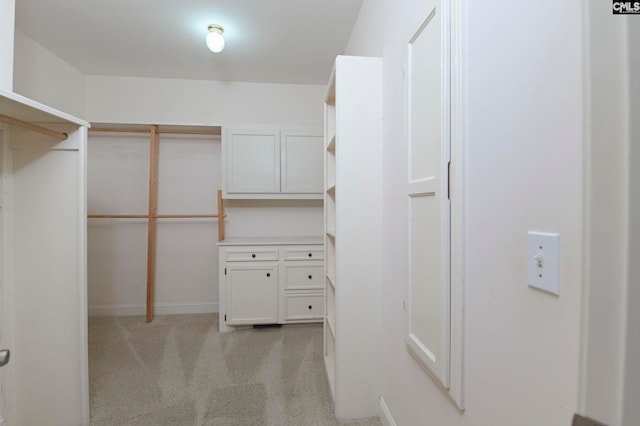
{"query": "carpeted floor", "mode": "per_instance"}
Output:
(179, 371)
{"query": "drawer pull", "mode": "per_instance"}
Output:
(310, 307)
(310, 276)
(310, 255)
(268, 274)
(253, 255)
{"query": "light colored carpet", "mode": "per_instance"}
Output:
(179, 371)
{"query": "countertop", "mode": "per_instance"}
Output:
(271, 241)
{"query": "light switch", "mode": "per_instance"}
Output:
(542, 261)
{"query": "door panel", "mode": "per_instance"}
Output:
(253, 162)
(428, 329)
(252, 294)
(302, 163)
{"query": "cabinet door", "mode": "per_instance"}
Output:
(302, 162)
(252, 294)
(252, 161)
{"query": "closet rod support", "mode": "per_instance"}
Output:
(34, 127)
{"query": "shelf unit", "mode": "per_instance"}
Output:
(353, 201)
(43, 263)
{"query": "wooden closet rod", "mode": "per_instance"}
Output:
(158, 216)
(186, 216)
(173, 132)
(34, 127)
(118, 216)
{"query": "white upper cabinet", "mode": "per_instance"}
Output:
(253, 161)
(272, 164)
(302, 166)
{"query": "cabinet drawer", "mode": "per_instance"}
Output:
(249, 255)
(303, 276)
(304, 253)
(304, 307)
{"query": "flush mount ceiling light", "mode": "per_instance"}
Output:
(215, 41)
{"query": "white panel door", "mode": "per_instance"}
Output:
(302, 162)
(428, 332)
(253, 161)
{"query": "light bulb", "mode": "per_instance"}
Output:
(215, 40)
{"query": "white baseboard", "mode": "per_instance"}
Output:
(385, 414)
(160, 309)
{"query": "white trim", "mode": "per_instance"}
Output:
(160, 309)
(457, 186)
(586, 212)
(10, 412)
(81, 135)
(385, 414)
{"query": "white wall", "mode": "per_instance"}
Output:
(523, 135)
(118, 183)
(187, 276)
(7, 15)
(44, 77)
(187, 270)
(173, 101)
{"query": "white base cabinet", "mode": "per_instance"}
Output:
(271, 281)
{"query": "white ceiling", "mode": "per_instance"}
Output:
(271, 41)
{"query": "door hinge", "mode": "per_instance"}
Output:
(449, 180)
(404, 305)
(225, 271)
(225, 317)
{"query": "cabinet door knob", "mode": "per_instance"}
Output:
(310, 254)
(310, 277)
(253, 255)
(268, 274)
(310, 307)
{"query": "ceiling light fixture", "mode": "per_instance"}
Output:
(215, 41)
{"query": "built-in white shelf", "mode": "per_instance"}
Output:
(353, 154)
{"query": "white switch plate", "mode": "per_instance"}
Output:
(543, 253)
